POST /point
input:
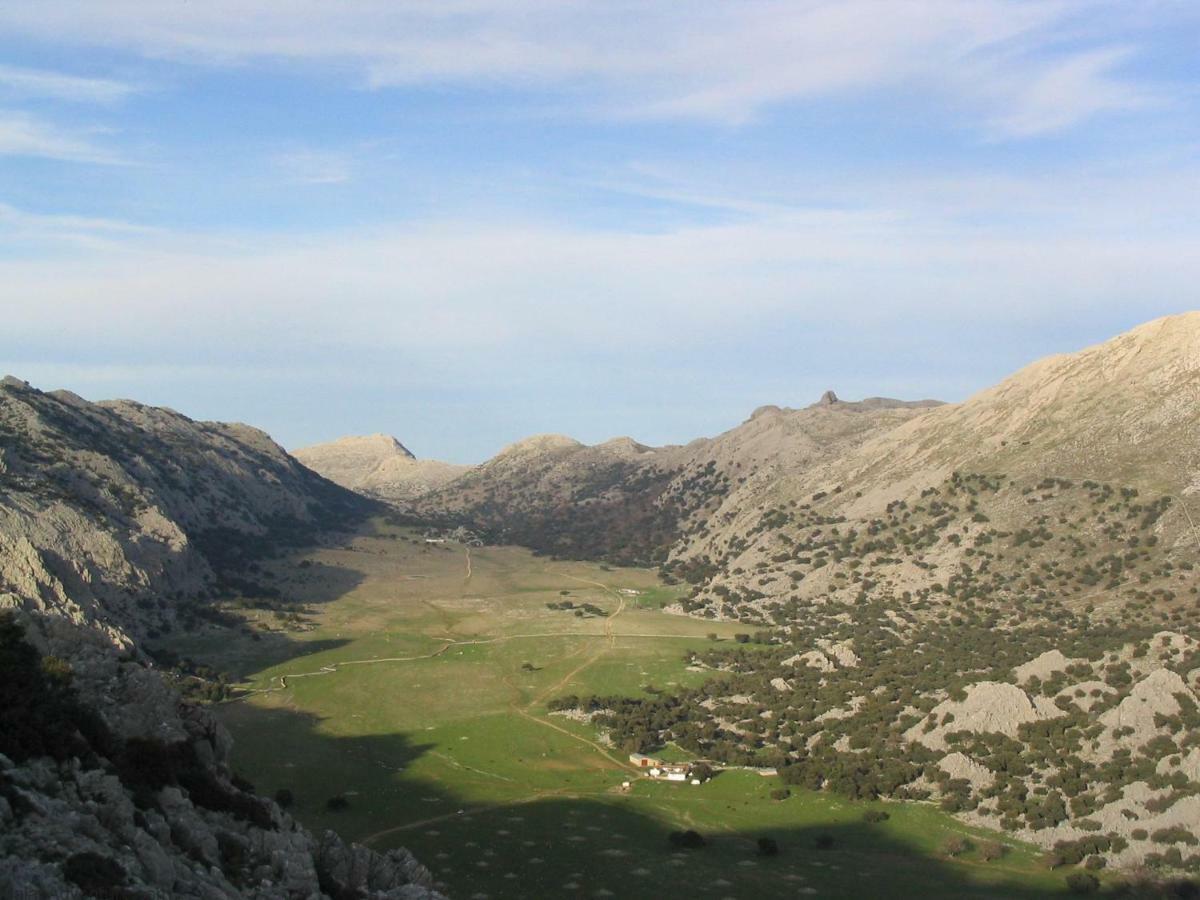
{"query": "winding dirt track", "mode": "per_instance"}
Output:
(524, 711)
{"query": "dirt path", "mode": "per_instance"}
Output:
(609, 644)
(475, 811)
(609, 635)
(599, 748)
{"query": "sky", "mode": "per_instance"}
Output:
(462, 222)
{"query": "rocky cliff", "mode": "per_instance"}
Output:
(117, 522)
(110, 786)
(117, 515)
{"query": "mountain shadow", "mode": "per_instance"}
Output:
(608, 843)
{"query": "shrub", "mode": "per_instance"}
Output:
(990, 850)
(823, 841)
(768, 846)
(93, 874)
(689, 840)
(955, 846)
(780, 794)
(875, 815)
(337, 803)
(284, 798)
(1082, 883)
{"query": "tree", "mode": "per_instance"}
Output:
(689, 840)
(955, 846)
(990, 850)
(284, 798)
(1082, 883)
(768, 847)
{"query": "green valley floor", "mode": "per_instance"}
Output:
(410, 711)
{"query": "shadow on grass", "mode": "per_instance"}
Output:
(603, 844)
(220, 639)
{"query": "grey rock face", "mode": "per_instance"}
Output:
(112, 514)
(213, 841)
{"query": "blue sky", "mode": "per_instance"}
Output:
(467, 221)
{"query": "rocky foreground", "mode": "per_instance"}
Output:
(111, 786)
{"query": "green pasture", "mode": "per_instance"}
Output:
(418, 695)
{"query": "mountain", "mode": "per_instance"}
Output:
(630, 503)
(378, 466)
(1064, 439)
(992, 605)
(117, 520)
(122, 516)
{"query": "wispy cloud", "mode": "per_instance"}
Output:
(23, 134)
(499, 291)
(1068, 91)
(42, 83)
(43, 232)
(313, 166)
(711, 61)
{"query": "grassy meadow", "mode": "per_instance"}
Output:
(417, 693)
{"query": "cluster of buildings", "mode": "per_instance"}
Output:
(664, 771)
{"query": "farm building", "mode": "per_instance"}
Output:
(671, 771)
(642, 761)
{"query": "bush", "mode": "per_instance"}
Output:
(39, 713)
(780, 794)
(689, 840)
(872, 816)
(990, 850)
(955, 845)
(284, 798)
(337, 803)
(93, 874)
(823, 841)
(1082, 883)
(768, 846)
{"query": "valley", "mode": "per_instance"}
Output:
(930, 649)
(419, 695)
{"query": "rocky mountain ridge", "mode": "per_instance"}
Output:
(1011, 586)
(118, 521)
(122, 516)
(110, 786)
(620, 499)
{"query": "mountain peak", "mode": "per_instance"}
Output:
(540, 443)
(829, 398)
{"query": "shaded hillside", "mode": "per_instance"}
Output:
(629, 503)
(116, 514)
(110, 787)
